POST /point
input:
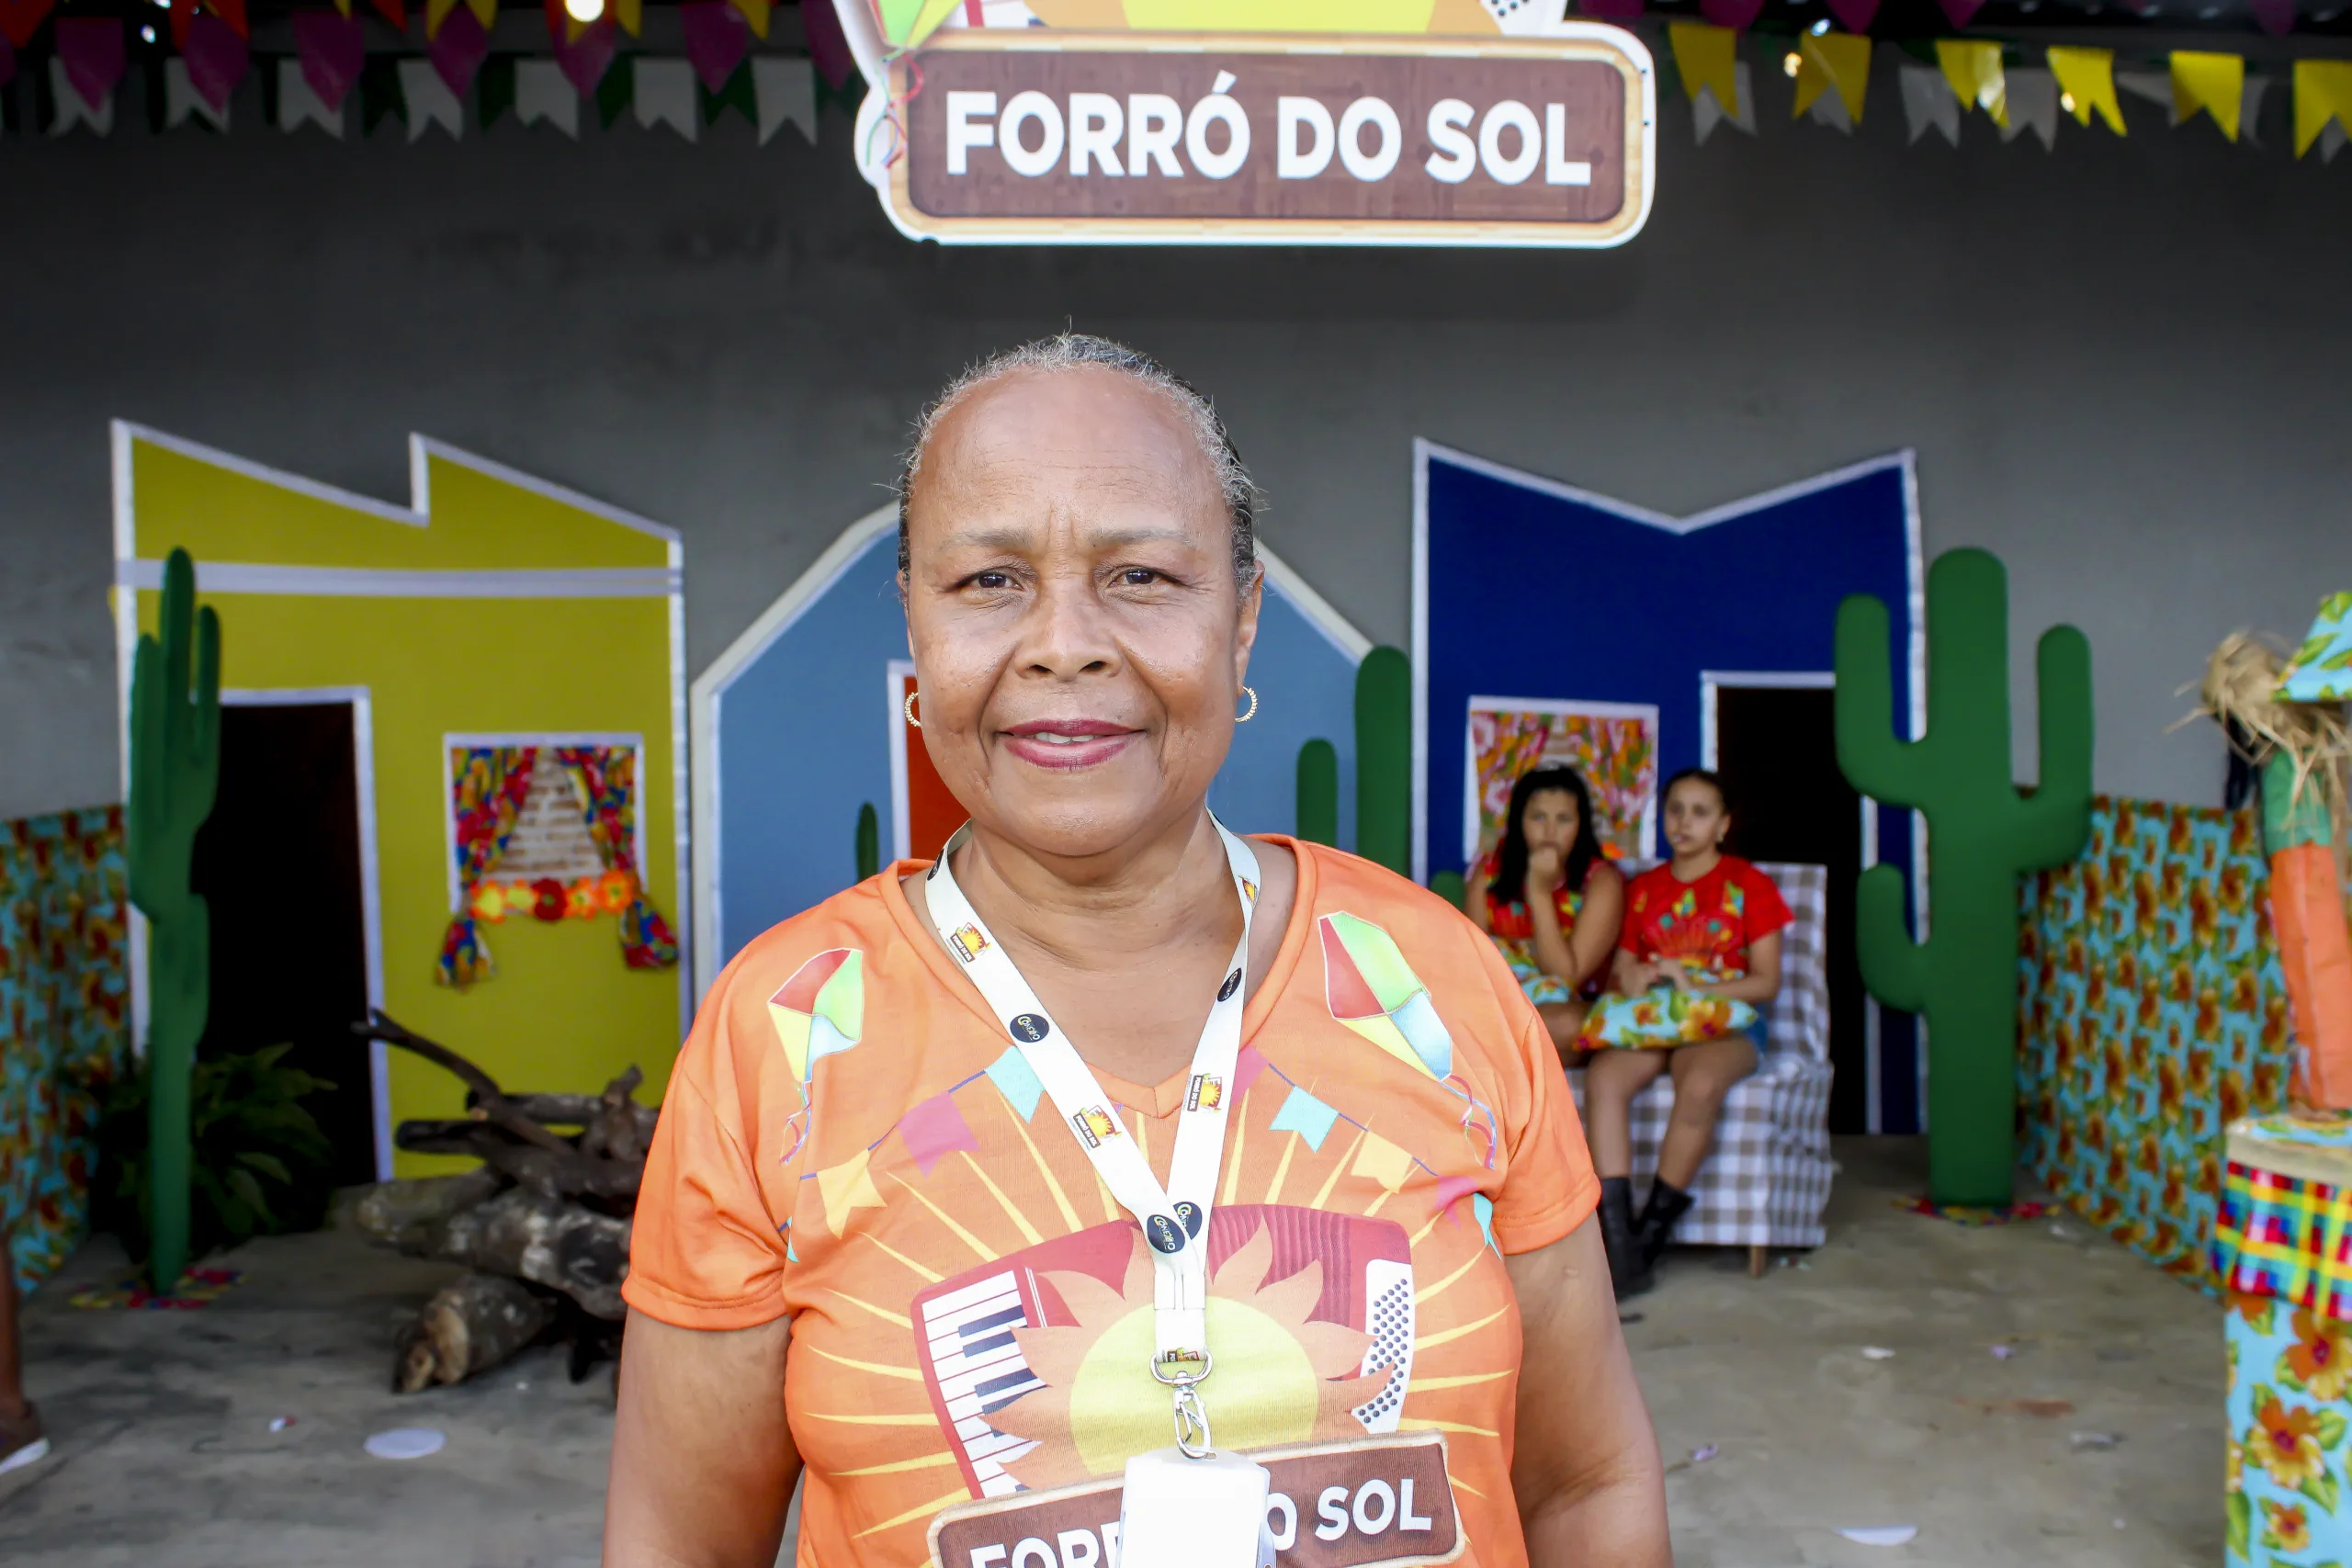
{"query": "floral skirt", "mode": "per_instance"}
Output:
(1539, 984)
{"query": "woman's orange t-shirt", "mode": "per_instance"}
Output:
(851, 1140)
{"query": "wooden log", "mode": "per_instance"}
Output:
(471, 1325)
(495, 1107)
(533, 1237)
(552, 1173)
(406, 1214)
(621, 1129)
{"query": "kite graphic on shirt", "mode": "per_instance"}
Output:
(819, 1012)
(1375, 992)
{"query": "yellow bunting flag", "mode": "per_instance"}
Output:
(2323, 93)
(1834, 60)
(629, 14)
(2212, 83)
(1708, 57)
(1972, 66)
(754, 12)
(437, 11)
(847, 1188)
(2087, 77)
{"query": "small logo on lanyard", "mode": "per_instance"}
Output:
(1232, 981)
(1165, 1237)
(1095, 1125)
(1030, 1027)
(1190, 1212)
(968, 943)
(1249, 890)
(1206, 1093)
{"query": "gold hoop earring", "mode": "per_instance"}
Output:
(1251, 710)
(910, 709)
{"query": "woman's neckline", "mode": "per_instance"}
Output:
(1694, 881)
(1154, 1100)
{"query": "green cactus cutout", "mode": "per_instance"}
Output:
(1384, 760)
(174, 772)
(1982, 831)
(869, 842)
(1319, 793)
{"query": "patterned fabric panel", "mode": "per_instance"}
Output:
(2283, 1470)
(2288, 1238)
(1767, 1180)
(2153, 1013)
(64, 1030)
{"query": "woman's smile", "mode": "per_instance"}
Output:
(1068, 742)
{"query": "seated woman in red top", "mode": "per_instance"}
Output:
(1708, 925)
(1549, 899)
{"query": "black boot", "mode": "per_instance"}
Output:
(1668, 1204)
(1628, 1275)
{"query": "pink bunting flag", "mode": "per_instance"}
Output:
(91, 50)
(934, 1130)
(1246, 1068)
(216, 59)
(827, 45)
(2276, 17)
(1854, 16)
(7, 63)
(1958, 13)
(1611, 10)
(584, 60)
(458, 48)
(1451, 1190)
(332, 48)
(716, 39)
(1732, 13)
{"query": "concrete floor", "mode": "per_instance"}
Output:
(164, 1457)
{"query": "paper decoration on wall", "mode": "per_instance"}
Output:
(71, 109)
(458, 48)
(2323, 101)
(427, 101)
(437, 13)
(1841, 61)
(2087, 77)
(544, 96)
(1960, 13)
(788, 95)
(1707, 57)
(2033, 105)
(332, 48)
(585, 59)
(718, 37)
(827, 46)
(1854, 16)
(2321, 671)
(89, 63)
(1612, 745)
(2211, 83)
(1735, 15)
(299, 103)
(1927, 103)
(1706, 112)
(215, 60)
(182, 101)
(665, 94)
(1972, 66)
(1612, 10)
(229, 12)
(19, 19)
(2276, 18)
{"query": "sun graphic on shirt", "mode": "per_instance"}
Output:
(1281, 1376)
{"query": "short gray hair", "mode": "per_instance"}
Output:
(1068, 351)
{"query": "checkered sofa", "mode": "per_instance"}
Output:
(1767, 1180)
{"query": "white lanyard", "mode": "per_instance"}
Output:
(1174, 1220)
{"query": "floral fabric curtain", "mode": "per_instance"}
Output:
(605, 778)
(487, 787)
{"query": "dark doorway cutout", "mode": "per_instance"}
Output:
(284, 863)
(1772, 738)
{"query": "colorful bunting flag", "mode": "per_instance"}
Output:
(299, 101)
(72, 110)
(755, 15)
(1706, 112)
(331, 50)
(1854, 16)
(585, 59)
(1484, 1207)
(1017, 1081)
(544, 96)
(1834, 60)
(787, 90)
(1612, 10)
(392, 11)
(2087, 86)
(1960, 13)
(1450, 1190)
(216, 61)
(437, 13)
(91, 57)
(19, 19)
(182, 102)
(717, 40)
(827, 45)
(1735, 15)
(1927, 103)
(663, 94)
(458, 48)
(847, 1188)
(2276, 18)
(7, 61)
(2323, 97)
(1379, 1160)
(935, 1129)
(1306, 1115)
(631, 14)
(2033, 105)
(1707, 58)
(427, 101)
(1972, 66)
(2214, 84)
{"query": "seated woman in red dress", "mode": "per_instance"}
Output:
(1707, 925)
(1549, 899)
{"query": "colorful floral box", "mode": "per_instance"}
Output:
(2283, 1253)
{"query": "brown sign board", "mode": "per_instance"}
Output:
(1041, 137)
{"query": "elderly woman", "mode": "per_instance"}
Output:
(981, 1179)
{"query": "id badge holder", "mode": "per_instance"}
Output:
(1195, 1513)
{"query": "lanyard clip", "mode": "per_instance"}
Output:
(1183, 1371)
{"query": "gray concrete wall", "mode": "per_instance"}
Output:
(2121, 365)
